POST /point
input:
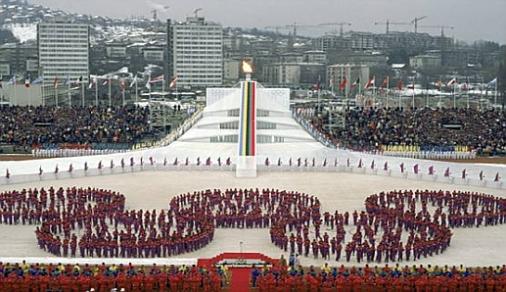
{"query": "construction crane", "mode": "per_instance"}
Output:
(340, 24)
(196, 12)
(292, 27)
(388, 23)
(415, 22)
(154, 12)
(442, 27)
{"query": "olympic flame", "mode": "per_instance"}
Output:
(246, 67)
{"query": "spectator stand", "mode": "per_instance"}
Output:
(76, 150)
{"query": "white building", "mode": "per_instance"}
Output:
(63, 50)
(195, 52)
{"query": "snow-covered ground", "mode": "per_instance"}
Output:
(341, 191)
(23, 32)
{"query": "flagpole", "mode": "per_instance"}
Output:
(42, 91)
(136, 90)
(82, 91)
(15, 93)
(467, 94)
(426, 94)
(413, 99)
(69, 94)
(400, 100)
(374, 92)
(388, 88)
(150, 111)
(318, 97)
(123, 94)
(56, 94)
(29, 96)
(347, 90)
(440, 85)
(110, 92)
(96, 92)
(454, 97)
(495, 96)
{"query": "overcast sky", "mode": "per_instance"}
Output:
(472, 19)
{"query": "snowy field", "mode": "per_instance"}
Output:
(341, 191)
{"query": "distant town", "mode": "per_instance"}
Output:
(53, 57)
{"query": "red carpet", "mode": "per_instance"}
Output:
(240, 279)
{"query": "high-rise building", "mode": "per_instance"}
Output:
(195, 52)
(63, 50)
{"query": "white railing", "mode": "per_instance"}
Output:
(451, 155)
(181, 130)
(316, 134)
(55, 153)
(476, 175)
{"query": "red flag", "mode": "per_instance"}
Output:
(385, 82)
(317, 86)
(342, 85)
(157, 79)
(370, 83)
(451, 82)
(400, 85)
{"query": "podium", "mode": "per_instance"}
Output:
(246, 166)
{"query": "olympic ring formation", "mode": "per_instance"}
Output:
(395, 225)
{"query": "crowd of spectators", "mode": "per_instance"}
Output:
(35, 126)
(80, 278)
(369, 129)
(386, 278)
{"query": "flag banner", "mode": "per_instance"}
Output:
(93, 83)
(356, 83)
(173, 83)
(134, 81)
(492, 83)
(385, 82)
(370, 83)
(38, 80)
(400, 85)
(342, 85)
(157, 79)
